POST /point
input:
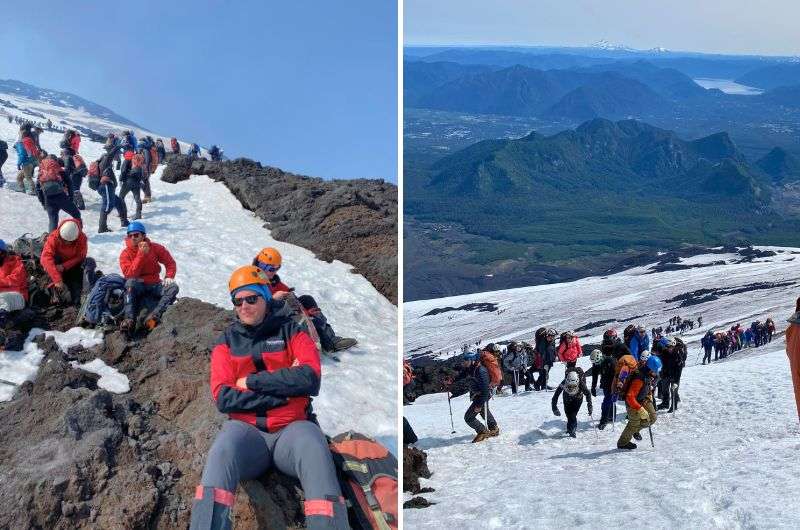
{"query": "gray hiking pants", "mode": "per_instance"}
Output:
(471, 417)
(242, 452)
(135, 290)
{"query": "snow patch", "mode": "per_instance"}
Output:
(110, 378)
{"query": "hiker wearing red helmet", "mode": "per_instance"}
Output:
(264, 370)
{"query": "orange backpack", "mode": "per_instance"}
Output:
(367, 474)
(489, 362)
(153, 159)
(49, 171)
(626, 366)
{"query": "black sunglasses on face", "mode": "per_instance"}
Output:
(250, 300)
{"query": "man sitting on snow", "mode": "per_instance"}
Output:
(269, 260)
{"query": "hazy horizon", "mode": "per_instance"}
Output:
(733, 27)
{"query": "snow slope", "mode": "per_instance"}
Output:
(637, 296)
(209, 234)
(728, 459)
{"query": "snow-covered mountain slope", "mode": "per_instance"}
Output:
(727, 459)
(209, 234)
(56, 101)
(26, 102)
(744, 289)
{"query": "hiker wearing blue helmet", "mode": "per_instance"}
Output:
(480, 391)
(140, 262)
(639, 400)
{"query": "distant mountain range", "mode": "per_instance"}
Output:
(61, 99)
(602, 188)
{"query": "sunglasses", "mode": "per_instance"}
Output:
(135, 235)
(250, 300)
(268, 268)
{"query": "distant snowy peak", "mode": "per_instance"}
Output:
(63, 100)
(603, 44)
(659, 49)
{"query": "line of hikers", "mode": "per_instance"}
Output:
(627, 369)
(57, 184)
(135, 299)
(724, 343)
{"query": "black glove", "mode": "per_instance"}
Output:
(594, 392)
(556, 412)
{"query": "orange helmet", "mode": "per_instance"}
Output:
(247, 275)
(269, 256)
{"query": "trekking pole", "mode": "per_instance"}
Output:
(652, 443)
(594, 428)
(453, 427)
(9, 383)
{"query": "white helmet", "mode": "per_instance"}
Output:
(69, 231)
(596, 356)
(644, 356)
(571, 383)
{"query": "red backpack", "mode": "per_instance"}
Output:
(489, 361)
(367, 473)
(49, 171)
(94, 175)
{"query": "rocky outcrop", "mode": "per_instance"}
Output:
(354, 221)
(75, 456)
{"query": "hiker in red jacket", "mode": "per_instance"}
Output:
(793, 352)
(269, 260)
(141, 261)
(264, 370)
(63, 258)
(13, 282)
(569, 349)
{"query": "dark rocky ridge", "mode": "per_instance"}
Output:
(354, 221)
(75, 456)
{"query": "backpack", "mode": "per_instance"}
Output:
(628, 333)
(153, 159)
(94, 175)
(626, 366)
(29, 249)
(489, 361)
(680, 353)
(367, 474)
(137, 160)
(49, 171)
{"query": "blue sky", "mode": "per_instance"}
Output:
(715, 26)
(310, 87)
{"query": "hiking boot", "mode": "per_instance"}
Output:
(629, 445)
(343, 343)
(151, 323)
(481, 436)
(663, 405)
(127, 325)
(572, 434)
(602, 425)
(494, 432)
(637, 436)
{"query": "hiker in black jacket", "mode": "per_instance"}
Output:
(574, 388)
(479, 393)
(611, 350)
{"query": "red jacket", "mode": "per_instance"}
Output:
(30, 146)
(569, 353)
(75, 142)
(13, 277)
(281, 365)
(56, 251)
(145, 267)
(277, 286)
